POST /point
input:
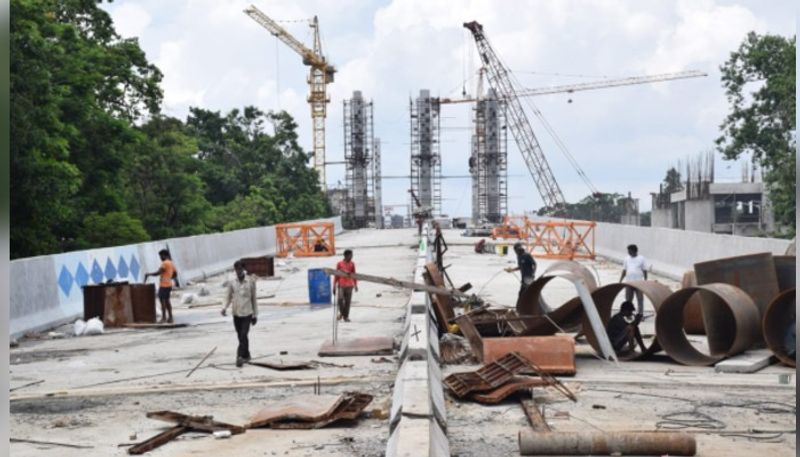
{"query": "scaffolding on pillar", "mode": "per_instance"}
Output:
(358, 150)
(489, 161)
(426, 160)
(377, 184)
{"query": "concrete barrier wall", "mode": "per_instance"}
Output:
(671, 252)
(48, 290)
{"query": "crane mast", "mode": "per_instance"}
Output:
(320, 75)
(532, 153)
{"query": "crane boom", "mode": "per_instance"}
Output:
(321, 74)
(518, 122)
(594, 85)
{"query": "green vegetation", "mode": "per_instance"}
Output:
(759, 80)
(93, 163)
(599, 207)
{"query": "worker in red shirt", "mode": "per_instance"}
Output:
(343, 287)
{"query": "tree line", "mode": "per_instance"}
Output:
(95, 163)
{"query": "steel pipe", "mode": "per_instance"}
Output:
(731, 319)
(604, 299)
(693, 313)
(785, 268)
(779, 315)
(606, 443)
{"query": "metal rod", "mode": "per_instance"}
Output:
(201, 362)
(610, 443)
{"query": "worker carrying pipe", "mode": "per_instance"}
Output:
(525, 265)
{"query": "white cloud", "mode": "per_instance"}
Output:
(130, 19)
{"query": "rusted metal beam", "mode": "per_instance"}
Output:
(779, 316)
(606, 443)
(488, 377)
(731, 319)
(158, 440)
(535, 416)
(199, 423)
(501, 393)
(398, 283)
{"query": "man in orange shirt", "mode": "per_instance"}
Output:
(345, 286)
(166, 273)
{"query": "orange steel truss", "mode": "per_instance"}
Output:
(561, 239)
(301, 239)
(512, 228)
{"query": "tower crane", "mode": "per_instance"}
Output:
(500, 80)
(320, 75)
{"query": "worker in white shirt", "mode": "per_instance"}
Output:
(634, 268)
(241, 294)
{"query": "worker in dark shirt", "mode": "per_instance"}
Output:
(623, 330)
(525, 265)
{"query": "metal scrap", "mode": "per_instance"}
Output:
(534, 415)
(780, 314)
(184, 423)
(488, 377)
(499, 394)
(311, 412)
(606, 443)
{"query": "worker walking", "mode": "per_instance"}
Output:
(343, 287)
(525, 265)
(241, 294)
(634, 268)
(166, 273)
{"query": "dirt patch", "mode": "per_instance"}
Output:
(54, 406)
(21, 357)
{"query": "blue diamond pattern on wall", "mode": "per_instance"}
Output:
(111, 270)
(65, 280)
(122, 267)
(135, 268)
(81, 276)
(97, 272)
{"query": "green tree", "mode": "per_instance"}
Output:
(759, 81)
(76, 87)
(111, 229)
(672, 181)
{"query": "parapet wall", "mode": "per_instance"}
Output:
(48, 288)
(671, 252)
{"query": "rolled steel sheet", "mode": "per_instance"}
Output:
(779, 315)
(785, 267)
(693, 312)
(604, 299)
(731, 318)
(755, 274)
(606, 443)
(568, 315)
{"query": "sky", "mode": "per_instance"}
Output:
(214, 56)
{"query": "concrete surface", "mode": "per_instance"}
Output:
(95, 390)
(91, 408)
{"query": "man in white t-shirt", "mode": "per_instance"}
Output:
(634, 268)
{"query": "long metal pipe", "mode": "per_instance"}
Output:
(731, 319)
(780, 314)
(606, 443)
(604, 299)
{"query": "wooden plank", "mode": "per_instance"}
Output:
(534, 415)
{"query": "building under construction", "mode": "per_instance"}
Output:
(426, 159)
(488, 163)
(360, 163)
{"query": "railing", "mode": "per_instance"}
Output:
(305, 240)
(551, 239)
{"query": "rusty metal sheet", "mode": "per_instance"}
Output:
(469, 331)
(442, 304)
(184, 423)
(307, 408)
(566, 317)
(553, 354)
(731, 318)
(785, 268)
(489, 376)
(604, 299)
(94, 298)
(368, 345)
(780, 314)
(350, 409)
(755, 274)
(143, 301)
(501, 393)
(692, 313)
(118, 309)
(263, 266)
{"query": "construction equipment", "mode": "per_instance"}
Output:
(320, 75)
(305, 240)
(500, 81)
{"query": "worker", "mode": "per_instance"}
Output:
(320, 246)
(241, 293)
(634, 268)
(525, 265)
(343, 287)
(623, 330)
(167, 273)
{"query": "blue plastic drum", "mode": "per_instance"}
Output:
(319, 287)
